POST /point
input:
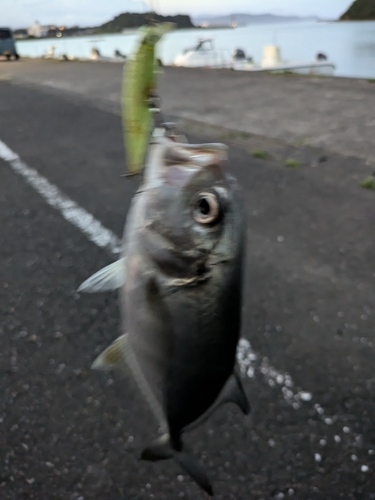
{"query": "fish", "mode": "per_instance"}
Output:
(138, 90)
(180, 289)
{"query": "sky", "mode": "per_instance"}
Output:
(21, 13)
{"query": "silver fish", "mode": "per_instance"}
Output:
(181, 283)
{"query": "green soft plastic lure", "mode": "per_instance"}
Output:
(139, 84)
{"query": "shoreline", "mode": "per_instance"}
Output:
(104, 59)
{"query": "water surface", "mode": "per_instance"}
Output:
(350, 45)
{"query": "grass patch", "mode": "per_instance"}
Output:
(244, 135)
(236, 135)
(292, 163)
(371, 80)
(300, 141)
(260, 153)
(230, 135)
(368, 182)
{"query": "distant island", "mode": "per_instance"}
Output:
(360, 10)
(127, 20)
(246, 19)
(131, 20)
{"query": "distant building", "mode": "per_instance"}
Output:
(37, 31)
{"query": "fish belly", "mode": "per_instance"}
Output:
(206, 330)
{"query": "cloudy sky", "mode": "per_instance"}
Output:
(19, 13)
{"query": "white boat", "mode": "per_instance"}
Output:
(272, 61)
(204, 54)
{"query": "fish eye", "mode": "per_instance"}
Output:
(206, 208)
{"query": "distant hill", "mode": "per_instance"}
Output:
(245, 19)
(360, 10)
(129, 20)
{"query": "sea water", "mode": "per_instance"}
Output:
(349, 45)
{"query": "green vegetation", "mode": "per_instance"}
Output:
(244, 135)
(230, 135)
(236, 134)
(360, 10)
(260, 153)
(130, 20)
(368, 182)
(300, 141)
(292, 163)
(371, 80)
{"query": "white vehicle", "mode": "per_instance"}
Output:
(204, 55)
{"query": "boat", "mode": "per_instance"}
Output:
(204, 54)
(272, 62)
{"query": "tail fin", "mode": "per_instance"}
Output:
(189, 463)
(160, 449)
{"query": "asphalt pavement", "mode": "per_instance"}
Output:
(332, 113)
(308, 356)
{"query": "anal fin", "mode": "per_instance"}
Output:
(236, 394)
(120, 356)
(109, 278)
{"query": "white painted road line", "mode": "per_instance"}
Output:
(70, 210)
(250, 364)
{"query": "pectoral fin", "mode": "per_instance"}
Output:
(109, 278)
